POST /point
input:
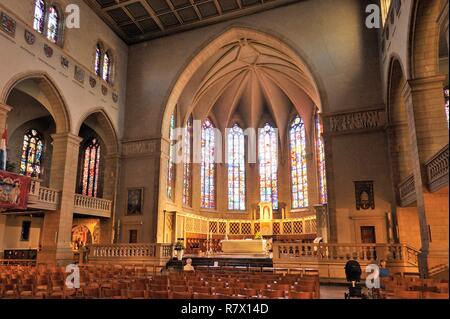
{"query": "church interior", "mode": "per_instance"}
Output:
(224, 149)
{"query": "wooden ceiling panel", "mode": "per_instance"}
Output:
(141, 20)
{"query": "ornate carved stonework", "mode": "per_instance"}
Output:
(30, 38)
(92, 82)
(64, 62)
(79, 74)
(48, 51)
(364, 196)
(104, 90)
(139, 148)
(361, 120)
(8, 24)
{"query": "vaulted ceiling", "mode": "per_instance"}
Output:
(248, 82)
(140, 20)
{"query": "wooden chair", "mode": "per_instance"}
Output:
(434, 295)
(204, 296)
(223, 291)
(300, 295)
(282, 287)
(182, 288)
(25, 291)
(249, 292)
(403, 294)
(136, 294)
(273, 294)
(163, 294)
(201, 289)
(112, 294)
(91, 292)
(180, 295)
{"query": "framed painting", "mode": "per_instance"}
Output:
(135, 201)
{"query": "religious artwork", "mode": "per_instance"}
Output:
(135, 201)
(171, 160)
(299, 176)
(364, 195)
(321, 167)
(92, 82)
(81, 236)
(98, 59)
(32, 151)
(30, 38)
(208, 166)
(79, 74)
(64, 62)
(106, 72)
(187, 163)
(357, 120)
(91, 164)
(104, 90)
(48, 50)
(13, 191)
(115, 97)
(8, 24)
(236, 168)
(265, 211)
(53, 24)
(268, 165)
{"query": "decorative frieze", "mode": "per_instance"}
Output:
(8, 24)
(135, 148)
(356, 121)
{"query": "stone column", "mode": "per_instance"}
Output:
(109, 192)
(57, 226)
(428, 133)
(322, 221)
(4, 110)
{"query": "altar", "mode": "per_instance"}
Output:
(247, 246)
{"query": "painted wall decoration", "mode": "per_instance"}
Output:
(30, 38)
(79, 74)
(8, 24)
(64, 62)
(135, 201)
(92, 82)
(81, 236)
(364, 195)
(104, 90)
(48, 51)
(14, 190)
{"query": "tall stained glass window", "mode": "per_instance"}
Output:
(91, 165)
(208, 169)
(39, 16)
(446, 97)
(187, 164)
(32, 151)
(268, 165)
(321, 162)
(106, 72)
(236, 168)
(171, 165)
(299, 176)
(53, 24)
(98, 60)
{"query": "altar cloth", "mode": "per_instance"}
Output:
(254, 246)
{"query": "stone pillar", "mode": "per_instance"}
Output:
(443, 21)
(428, 133)
(57, 226)
(322, 221)
(4, 110)
(109, 192)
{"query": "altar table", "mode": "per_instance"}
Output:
(254, 246)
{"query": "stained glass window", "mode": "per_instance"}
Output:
(39, 16)
(32, 151)
(208, 169)
(91, 168)
(446, 97)
(321, 162)
(299, 176)
(171, 165)
(53, 24)
(106, 73)
(98, 60)
(187, 164)
(268, 165)
(236, 168)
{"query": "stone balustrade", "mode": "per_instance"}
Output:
(152, 253)
(437, 170)
(407, 191)
(92, 206)
(326, 252)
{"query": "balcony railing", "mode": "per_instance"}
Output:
(43, 197)
(407, 191)
(437, 170)
(363, 253)
(158, 253)
(92, 206)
